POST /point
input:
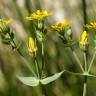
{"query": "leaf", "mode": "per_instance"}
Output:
(41, 36)
(6, 41)
(69, 32)
(33, 81)
(51, 78)
(30, 81)
(90, 75)
(12, 35)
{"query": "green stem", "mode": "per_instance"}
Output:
(77, 59)
(84, 11)
(85, 86)
(37, 67)
(85, 59)
(85, 77)
(42, 59)
(43, 90)
(90, 65)
(85, 63)
(72, 73)
(15, 46)
(28, 66)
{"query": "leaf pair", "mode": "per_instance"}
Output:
(33, 81)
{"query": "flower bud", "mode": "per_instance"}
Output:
(32, 47)
(84, 40)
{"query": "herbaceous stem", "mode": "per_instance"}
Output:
(42, 59)
(85, 86)
(37, 67)
(85, 77)
(85, 69)
(85, 63)
(77, 59)
(91, 63)
(15, 46)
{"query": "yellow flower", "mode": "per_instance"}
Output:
(8, 21)
(39, 15)
(60, 26)
(4, 23)
(32, 47)
(84, 38)
(91, 25)
(1, 27)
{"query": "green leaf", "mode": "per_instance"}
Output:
(90, 75)
(51, 78)
(12, 35)
(69, 32)
(68, 35)
(6, 41)
(41, 36)
(33, 81)
(30, 81)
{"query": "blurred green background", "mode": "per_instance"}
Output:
(57, 57)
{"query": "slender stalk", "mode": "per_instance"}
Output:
(77, 59)
(42, 67)
(84, 11)
(85, 59)
(42, 59)
(85, 77)
(28, 66)
(91, 63)
(85, 63)
(43, 90)
(37, 67)
(84, 88)
(15, 46)
(72, 73)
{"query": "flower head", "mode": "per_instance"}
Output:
(32, 47)
(60, 26)
(84, 38)
(39, 15)
(91, 25)
(1, 27)
(4, 23)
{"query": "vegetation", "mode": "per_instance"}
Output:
(42, 56)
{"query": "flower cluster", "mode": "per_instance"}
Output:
(39, 15)
(1, 27)
(6, 33)
(4, 24)
(60, 26)
(91, 25)
(64, 32)
(40, 30)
